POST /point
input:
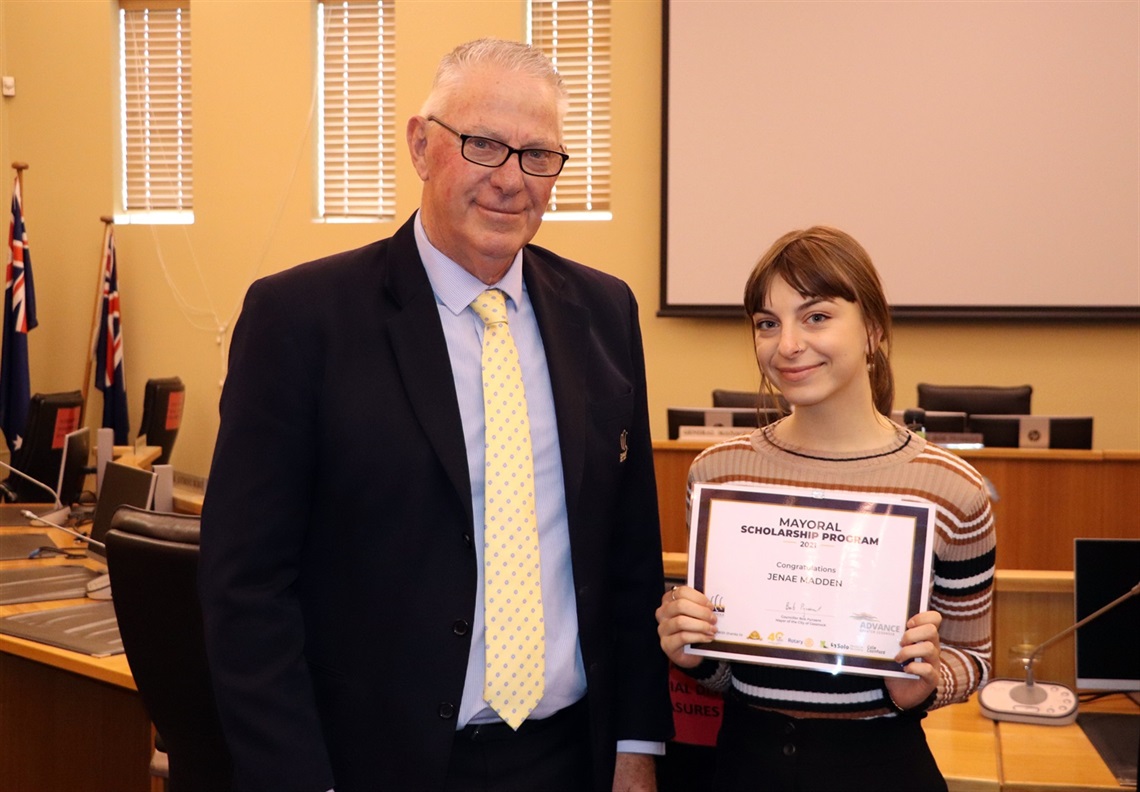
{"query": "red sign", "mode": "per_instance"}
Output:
(66, 421)
(174, 410)
(697, 711)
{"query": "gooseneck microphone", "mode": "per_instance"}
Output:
(59, 511)
(32, 516)
(1030, 701)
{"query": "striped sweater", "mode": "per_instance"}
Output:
(963, 566)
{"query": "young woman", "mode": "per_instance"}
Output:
(822, 330)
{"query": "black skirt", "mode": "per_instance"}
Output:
(761, 750)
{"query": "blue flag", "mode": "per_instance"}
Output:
(109, 348)
(19, 318)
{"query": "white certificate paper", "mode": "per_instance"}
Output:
(811, 578)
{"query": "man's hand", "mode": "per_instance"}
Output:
(635, 772)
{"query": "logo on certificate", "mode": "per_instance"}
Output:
(716, 602)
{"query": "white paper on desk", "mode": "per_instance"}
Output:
(808, 577)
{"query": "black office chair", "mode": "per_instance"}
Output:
(153, 562)
(733, 398)
(976, 399)
(50, 416)
(163, 399)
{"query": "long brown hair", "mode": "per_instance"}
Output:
(828, 263)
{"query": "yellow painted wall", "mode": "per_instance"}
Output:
(181, 286)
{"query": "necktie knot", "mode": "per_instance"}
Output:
(491, 307)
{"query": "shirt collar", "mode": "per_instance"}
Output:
(454, 286)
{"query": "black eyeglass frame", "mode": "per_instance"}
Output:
(463, 151)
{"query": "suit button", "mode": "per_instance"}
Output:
(467, 540)
(789, 750)
(460, 627)
(789, 728)
(447, 710)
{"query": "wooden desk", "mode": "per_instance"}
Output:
(975, 753)
(67, 720)
(1046, 499)
(140, 456)
(188, 500)
(1056, 758)
(1029, 608)
(964, 743)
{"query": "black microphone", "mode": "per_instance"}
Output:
(59, 512)
(63, 528)
(1029, 701)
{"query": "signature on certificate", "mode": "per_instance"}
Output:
(802, 607)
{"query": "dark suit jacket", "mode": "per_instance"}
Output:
(338, 575)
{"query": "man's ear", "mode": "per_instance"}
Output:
(417, 144)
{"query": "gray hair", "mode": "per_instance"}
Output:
(510, 55)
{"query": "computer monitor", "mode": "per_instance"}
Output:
(716, 417)
(51, 416)
(162, 414)
(122, 485)
(1108, 647)
(73, 470)
(1033, 431)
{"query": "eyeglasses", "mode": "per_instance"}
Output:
(492, 153)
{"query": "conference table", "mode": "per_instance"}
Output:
(975, 753)
(68, 721)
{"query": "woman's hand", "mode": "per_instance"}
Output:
(684, 618)
(921, 653)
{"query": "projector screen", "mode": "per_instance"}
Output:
(986, 154)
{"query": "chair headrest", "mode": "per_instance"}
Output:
(184, 528)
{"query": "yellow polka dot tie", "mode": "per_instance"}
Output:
(515, 642)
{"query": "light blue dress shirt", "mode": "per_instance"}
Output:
(455, 289)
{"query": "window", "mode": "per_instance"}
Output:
(575, 34)
(155, 117)
(356, 95)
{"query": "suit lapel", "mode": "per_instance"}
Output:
(421, 355)
(563, 324)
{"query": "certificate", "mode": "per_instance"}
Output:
(811, 578)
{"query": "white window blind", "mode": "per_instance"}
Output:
(156, 120)
(356, 94)
(575, 34)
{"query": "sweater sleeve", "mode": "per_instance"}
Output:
(962, 592)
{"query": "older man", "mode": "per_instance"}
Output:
(430, 548)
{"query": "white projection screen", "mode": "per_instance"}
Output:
(986, 153)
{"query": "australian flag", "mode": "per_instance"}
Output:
(19, 318)
(109, 348)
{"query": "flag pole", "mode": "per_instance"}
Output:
(20, 168)
(108, 224)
